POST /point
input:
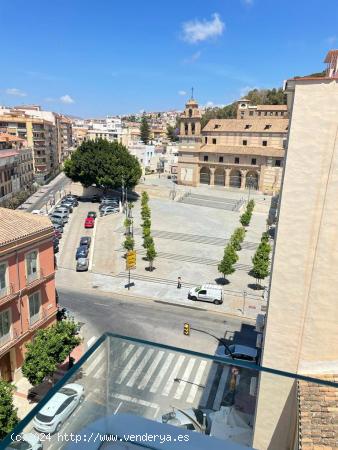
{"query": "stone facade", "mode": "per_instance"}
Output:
(231, 152)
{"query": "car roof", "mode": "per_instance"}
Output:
(83, 260)
(89, 218)
(243, 349)
(53, 405)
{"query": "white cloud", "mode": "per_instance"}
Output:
(197, 31)
(331, 39)
(67, 99)
(194, 57)
(16, 92)
(182, 93)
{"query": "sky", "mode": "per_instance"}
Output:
(93, 58)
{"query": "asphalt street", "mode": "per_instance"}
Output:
(49, 189)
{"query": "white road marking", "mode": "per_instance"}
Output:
(119, 406)
(151, 370)
(197, 381)
(207, 389)
(221, 387)
(126, 398)
(130, 364)
(99, 372)
(92, 246)
(91, 341)
(162, 372)
(185, 377)
(138, 371)
(173, 375)
(94, 363)
(127, 351)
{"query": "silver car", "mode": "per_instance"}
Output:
(109, 210)
(82, 265)
(55, 412)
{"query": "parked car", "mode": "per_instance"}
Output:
(68, 205)
(57, 221)
(71, 199)
(85, 240)
(58, 228)
(26, 441)
(89, 222)
(207, 293)
(57, 234)
(189, 419)
(56, 244)
(82, 252)
(109, 210)
(55, 412)
(62, 210)
(107, 205)
(237, 351)
(82, 265)
(107, 202)
(92, 214)
(95, 198)
(59, 215)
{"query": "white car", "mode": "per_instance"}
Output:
(190, 419)
(109, 210)
(58, 408)
(237, 351)
(25, 441)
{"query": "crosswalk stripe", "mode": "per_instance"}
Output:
(221, 387)
(130, 364)
(99, 372)
(95, 362)
(170, 382)
(127, 351)
(210, 379)
(185, 376)
(150, 371)
(142, 364)
(162, 372)
(197, 380)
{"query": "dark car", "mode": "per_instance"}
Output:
(82, 252)
(95, 198)
(85, 241)
(57, 234)
(56, 244)
(92, 214)
(58, 228)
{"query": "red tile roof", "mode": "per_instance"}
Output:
(5, 137)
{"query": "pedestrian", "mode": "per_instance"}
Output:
(179, 283)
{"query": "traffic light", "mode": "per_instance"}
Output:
(186, 329)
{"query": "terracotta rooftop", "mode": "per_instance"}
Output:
(17, 225)
(5, 137)
(278, 125)
(318, 415)
(241, 150)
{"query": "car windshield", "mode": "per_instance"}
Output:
(67, 391)
(43, 418)
(198, 288)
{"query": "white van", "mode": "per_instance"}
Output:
(207, 293)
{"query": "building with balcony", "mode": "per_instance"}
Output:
(301, 332)
(27, 286)
(233, 153)
(246, 110)
(64, 137)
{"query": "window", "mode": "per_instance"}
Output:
(3, 283)
(220, 159)
(265, 143)
(253, 161)
(247, 126)
(205, 158)
(245, 142)
(186, 128)
(192, 128)
(32, 265)
(277, 162)
(259, 113)
(34, 307)
(217, 126)
(237, 160)
(267, 127)
(251, 113)
(5, 326)
(214, 141)
(205, 140)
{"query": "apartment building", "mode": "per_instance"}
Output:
(301, 333)
(235, 153)
(64, 137)
(246, 110)
(27, 286)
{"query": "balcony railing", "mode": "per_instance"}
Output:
(134, 390)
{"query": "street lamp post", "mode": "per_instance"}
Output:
(250, 185)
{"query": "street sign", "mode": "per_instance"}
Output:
(131, 260)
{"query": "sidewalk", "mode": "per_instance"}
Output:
(23, 386)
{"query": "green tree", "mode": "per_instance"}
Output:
(8, 414)
(265, 237)
(245, 218)
(226, 266)
(237, 238)
(151, 255)
(129, 243)
(144, 198)
(145, 212)
(250, 206)
(144, 130)
(104, 164)
(148, 241)
(50, 347)
(146, 223)
(260, 269)
(172, 134)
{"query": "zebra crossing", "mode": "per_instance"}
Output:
(138, 371)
